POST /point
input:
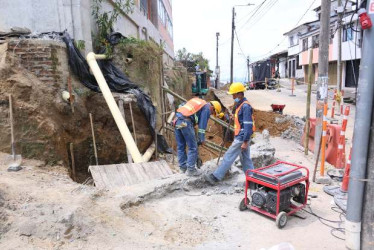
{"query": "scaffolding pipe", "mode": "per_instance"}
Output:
(121, 124)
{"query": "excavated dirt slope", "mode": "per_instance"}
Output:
(45, 124)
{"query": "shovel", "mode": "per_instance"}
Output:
(13, 161)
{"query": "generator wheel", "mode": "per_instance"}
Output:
(281, 220)
(242, 205)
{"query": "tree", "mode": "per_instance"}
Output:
(190, 60)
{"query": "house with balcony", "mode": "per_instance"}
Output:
(308, 38)
(351, 52)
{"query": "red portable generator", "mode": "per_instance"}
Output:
(278, 190)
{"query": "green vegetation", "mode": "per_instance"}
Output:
(190, 60)
(106, 19)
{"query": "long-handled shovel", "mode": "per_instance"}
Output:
(224, 139)
(14, 161)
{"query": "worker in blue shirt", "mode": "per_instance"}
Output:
(243, 130)
(195, 111)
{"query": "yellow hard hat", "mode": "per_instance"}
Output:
(236, 87)
(217, 107)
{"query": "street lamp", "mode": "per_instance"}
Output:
(232, 41)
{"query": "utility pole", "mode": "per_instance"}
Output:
(340, 10)
(361, 189)
(217, 67)
(248, 67)
(310, 82)
(232, 42)
(323, 68)
(232, 46)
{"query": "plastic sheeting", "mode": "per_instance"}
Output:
(117, 82)
(261, 70)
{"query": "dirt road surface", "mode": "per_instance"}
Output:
(43, 209)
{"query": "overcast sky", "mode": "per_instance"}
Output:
(195, 23)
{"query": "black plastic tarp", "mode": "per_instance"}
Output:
(261, 70)
(117, 82)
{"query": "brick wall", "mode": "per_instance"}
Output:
(41, 57)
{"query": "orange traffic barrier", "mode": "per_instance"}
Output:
(347, 170)
(332, 140)
(323, 148)
(341, 146)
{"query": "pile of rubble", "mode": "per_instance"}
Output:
(293, 132)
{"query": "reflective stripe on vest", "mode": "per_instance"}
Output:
(192, 106)
(237, 123)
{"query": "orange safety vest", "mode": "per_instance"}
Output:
(192, 106)
(236, 117)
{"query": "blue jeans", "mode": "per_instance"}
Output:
(230, 156)
(185, 136)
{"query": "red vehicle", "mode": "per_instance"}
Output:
(278, 192)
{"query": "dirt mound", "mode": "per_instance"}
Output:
(275, 123)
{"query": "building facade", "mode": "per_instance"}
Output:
(150, 20)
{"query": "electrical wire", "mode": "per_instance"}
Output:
(270, 51)
(257, 16)
(255, 11)
(324, 221)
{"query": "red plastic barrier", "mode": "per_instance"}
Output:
(332, 142)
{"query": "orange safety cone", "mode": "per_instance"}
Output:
(341, 146)
(333, 109)
(347, 170)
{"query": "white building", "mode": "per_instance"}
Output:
(306, 36)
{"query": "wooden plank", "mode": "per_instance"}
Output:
(167, 167)
(118, 175)
(163, 168)
(97, 176)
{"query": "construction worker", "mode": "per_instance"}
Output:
(195, 111)
(244, 127)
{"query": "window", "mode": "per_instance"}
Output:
(291, 41)
(315, 41)
(347, 33)
(162, 12)
(144, 6)
(169, 27)
(305, 44)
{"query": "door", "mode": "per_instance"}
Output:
(351, 73)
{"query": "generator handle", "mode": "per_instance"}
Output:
(276, 177)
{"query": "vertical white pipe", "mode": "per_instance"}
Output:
(121, 124)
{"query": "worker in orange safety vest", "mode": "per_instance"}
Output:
(243, 130)
(195, 112)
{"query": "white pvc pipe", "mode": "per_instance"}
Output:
(121, 124)
(148, 154)
(170, 118)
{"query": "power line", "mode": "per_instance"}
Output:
(270, 51)
(258, 8)
(259, 15)
(240, 47)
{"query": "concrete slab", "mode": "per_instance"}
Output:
(323, 180)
